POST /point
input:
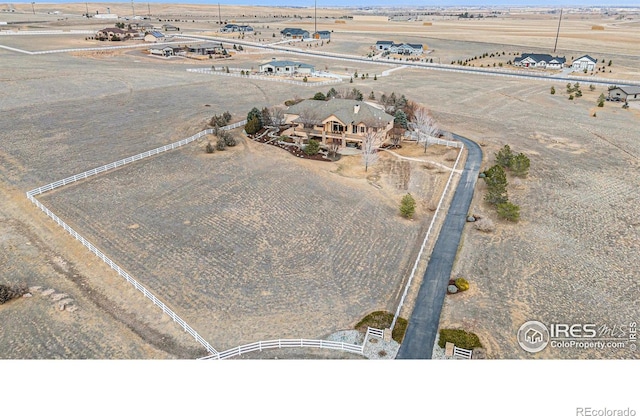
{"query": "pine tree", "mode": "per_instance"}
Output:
(520, 165)
(504, 156)
(401, 119)
(496, 180)
(508, 211)
(407, 206)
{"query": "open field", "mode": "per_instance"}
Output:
(572, 258)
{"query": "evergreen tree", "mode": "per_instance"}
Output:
(401, 119)
(407, 206)
(508, 211)
(504, 156)
(520, 165)
(496, 180)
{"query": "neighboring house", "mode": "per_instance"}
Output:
(407, 49)
(383, 45)
(340, 121)
(539, 60)
(584, 62)
(322, 34)
(169, 28)
(209, 48)
(294, 33)
(229, 28)
(285, 67)
(165, 50)
(154, 36)
(144, 26)
(624, 94)
(401, 48)
(115, 34)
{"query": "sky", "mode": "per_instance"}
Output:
(383, 3)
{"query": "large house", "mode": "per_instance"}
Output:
(627, 93)
(166, 50)
(401, 48)
(285, 67)
(115, 34)
(584, 63)
(207, 48)
(294, 33)
(340, 121)
(231, 27)
(539, 60)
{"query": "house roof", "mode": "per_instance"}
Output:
(207, 45)
(411, 45)
(287, 63)
(344, 110)
(114, 30)
(323, 32)
(629, 90)
(156, 34)
(537, 57)
(595, 61)
(293, 31)
(384, 42)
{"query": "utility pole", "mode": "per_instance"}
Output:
(149, 8)
(87, 6)
(219, 15)
(558, 34)
(315, 16)
(133, 11)
(33, 7)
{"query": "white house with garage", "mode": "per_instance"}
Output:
(285, 68)
(539, 60)
(400, 48)
(626, 93)
(584, 62)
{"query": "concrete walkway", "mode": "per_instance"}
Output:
(425, 318)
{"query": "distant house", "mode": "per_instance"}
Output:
(154, 36)
(208, 48)
(322, 34)
(145, 26)
(584, 62)
(340, 121)
(170, 28)
(627, 93)
(285, 68)
(168, 50)
(539, 60)
(294, 33)
(383, 45)
(115, 34)
(401, 48)
(229, 28)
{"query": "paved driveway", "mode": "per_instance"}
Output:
(423, 324)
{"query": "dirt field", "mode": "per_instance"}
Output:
(572, 258)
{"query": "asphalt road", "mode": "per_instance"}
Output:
(423, 324)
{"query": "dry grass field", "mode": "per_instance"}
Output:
(209, 232)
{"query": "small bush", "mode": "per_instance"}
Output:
(220, 144)
(382, 320)
(11, 292)
(553, 90)
(508, 211)
(460, 338)
(312, 148)
(484, 225)
(462, 284)
(229, 140)
(209, 148)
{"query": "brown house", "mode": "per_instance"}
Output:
(115, 34)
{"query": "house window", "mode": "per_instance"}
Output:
(362, 129)
(337, 127)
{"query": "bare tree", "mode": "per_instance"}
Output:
(395, 134)
(424, 126)
(309, 118)
(277, 116)
(334, 146)
(371, 141)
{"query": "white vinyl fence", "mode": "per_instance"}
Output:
(264, 78)
(287, 343)
(165, 309)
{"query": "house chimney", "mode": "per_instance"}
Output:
(356, 108)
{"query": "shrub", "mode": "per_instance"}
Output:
(382, 320)
(209, 148)
(460, 338)
(504, 156)
(312, 148)
(484, 225)
(496, 180)
(11, 292)
(508, 211)
(220, 144)
(407, 206)
(520, 165)
(553, 90)
(229, 140)
(320, 96)
(462, 284)
(304, 79)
